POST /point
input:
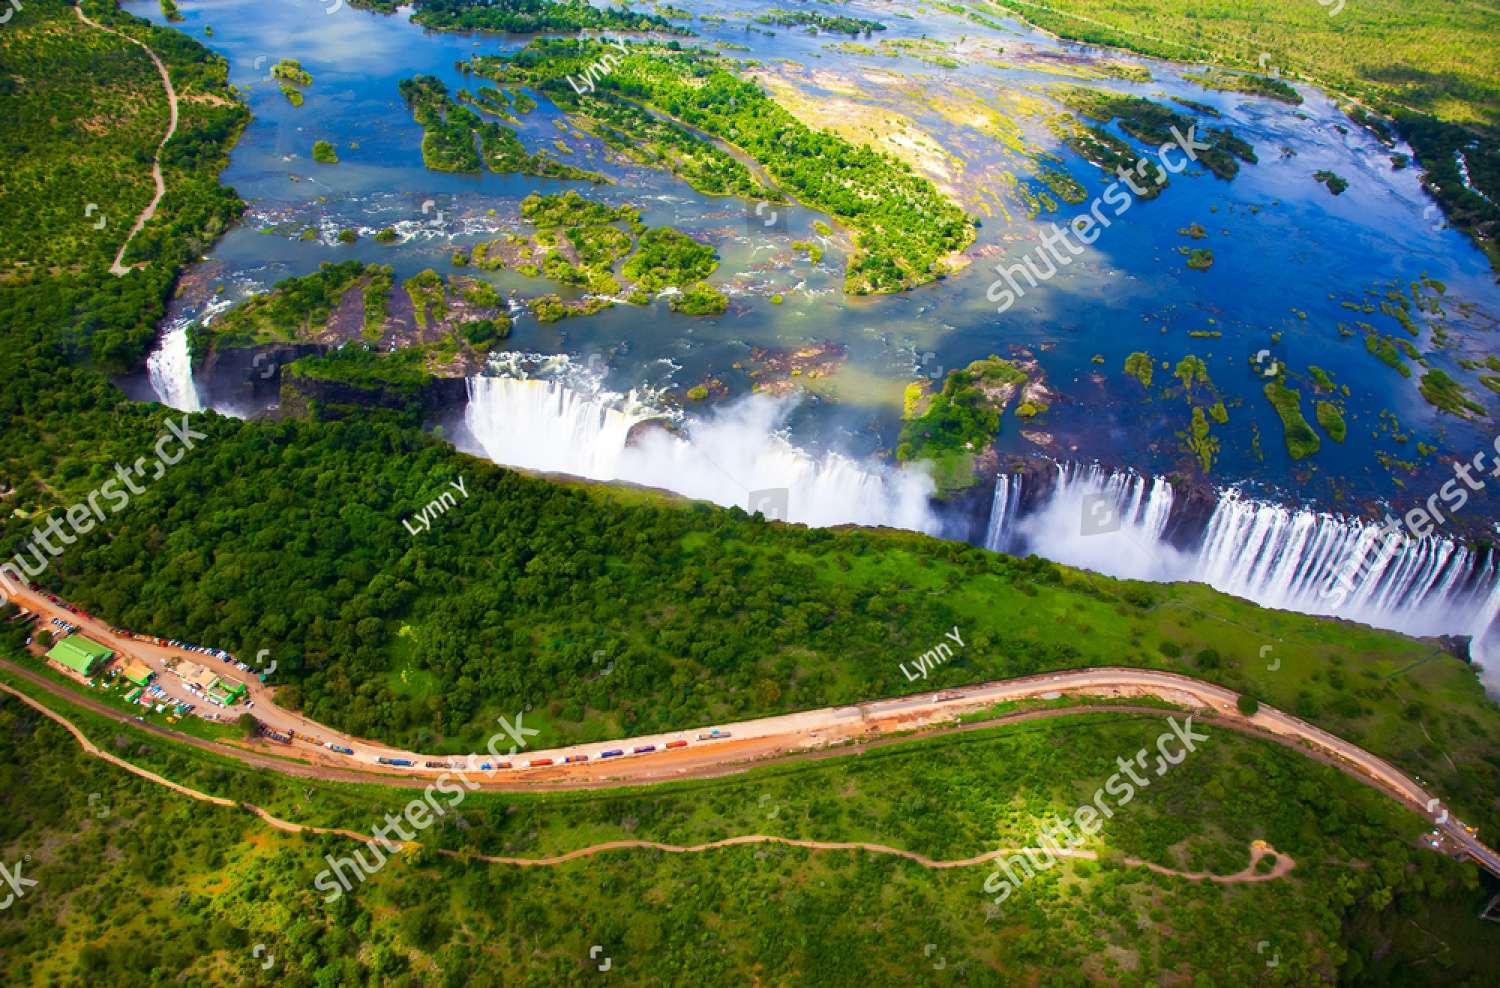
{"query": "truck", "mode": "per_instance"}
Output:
(677, 744)
(537, 763)
(338, 748)
(575, 759)
(615, 753)
(714, 735)
(643, 749)
(403, 762)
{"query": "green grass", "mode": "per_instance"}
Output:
(964, 416)
(1331, 420)
(1446, 394)
(1301, 440)
(1335, 182)
(1431, 55)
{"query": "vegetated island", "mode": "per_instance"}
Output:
(905, 233)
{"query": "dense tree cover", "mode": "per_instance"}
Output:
(293, 309)
(665, 256)
(287, 536)
(449, 131)
(1111, 154)
(903, 227)
(351, 364)
(84, 113)
(645, 137)
(580, 243)
(1474, 205)
(527, 16)
(1301, 440)
(964, 416)
(700, 299)
(291, 70)
(836, 23)
(209, 883)
(1154, 124)
(1241, 82)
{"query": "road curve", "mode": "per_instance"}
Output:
(769, 737)
(1282, 866)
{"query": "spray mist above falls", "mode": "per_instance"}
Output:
(738, 456)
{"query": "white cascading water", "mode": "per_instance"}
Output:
(170, 368)
(1109, 521)
(727, 458)
(1294, 559)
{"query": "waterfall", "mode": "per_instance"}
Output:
(1290, 558)
(1322, 563)
(737, 456)
(170, 367)
(1109, 521)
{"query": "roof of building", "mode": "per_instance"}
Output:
(137, 671)
(192, 672)
(79, 653)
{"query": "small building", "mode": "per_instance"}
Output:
(81, 655)
(197, 675)
(225, 691)
(137, 672)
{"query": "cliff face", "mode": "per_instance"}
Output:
(255, 378)
(248, 377)
(436, 397)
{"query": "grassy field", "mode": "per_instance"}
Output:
(206, 884)
(1434, 56)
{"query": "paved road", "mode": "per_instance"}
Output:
(768, 737)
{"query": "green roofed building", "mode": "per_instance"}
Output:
(82, 655)
(226, 692)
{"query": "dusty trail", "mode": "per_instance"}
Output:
(1284, 864)
(118, 268)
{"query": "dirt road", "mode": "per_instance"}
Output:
(1283, 865)
(702, 752)
(118, 268)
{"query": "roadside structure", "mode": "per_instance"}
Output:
(80, 655)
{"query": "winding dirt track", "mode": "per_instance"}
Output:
(118, 268)
(1283, 864)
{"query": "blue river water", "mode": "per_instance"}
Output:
(1288, 254)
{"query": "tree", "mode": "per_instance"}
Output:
(1248, 704)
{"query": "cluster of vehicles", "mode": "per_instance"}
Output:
(154, 694)
(61, 603)
(217, 653)
(64, 627)
(644, 749)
